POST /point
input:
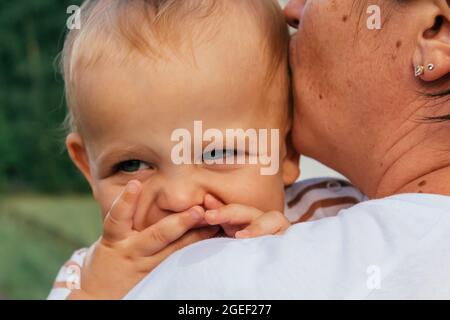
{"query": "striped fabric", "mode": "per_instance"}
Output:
(319, 198)
(307, 200)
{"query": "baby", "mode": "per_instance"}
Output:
(139, 71)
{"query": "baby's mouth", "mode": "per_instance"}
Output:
(221, 234)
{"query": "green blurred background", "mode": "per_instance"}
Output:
(46, 211)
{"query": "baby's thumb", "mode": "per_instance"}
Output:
(119, 220)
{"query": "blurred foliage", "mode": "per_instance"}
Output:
(37, 235)
(32, 106)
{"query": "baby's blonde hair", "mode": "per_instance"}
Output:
(113, 29)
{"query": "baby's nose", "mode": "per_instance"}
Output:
(179, 195)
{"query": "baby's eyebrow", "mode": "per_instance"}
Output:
(118, 153)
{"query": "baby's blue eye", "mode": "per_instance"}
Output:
(132, 166)
(217, 154)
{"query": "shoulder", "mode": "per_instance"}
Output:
(318, 198)
(68, 277)
(310, 260)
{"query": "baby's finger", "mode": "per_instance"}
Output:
(230, 230)
(271, 223)
(212, 202)
(234, 214)
(164, 232)
(119, 220)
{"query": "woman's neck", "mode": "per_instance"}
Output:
(413, 167)
(435, 182)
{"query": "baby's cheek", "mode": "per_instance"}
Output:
(274, 194)
(106, 195)
(266, 193)
(149, 218)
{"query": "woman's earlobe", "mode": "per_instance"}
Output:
(419, 69)
(434, 68)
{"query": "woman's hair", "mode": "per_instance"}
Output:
(120, 30)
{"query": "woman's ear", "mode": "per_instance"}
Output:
(291, 163)
(77, 152)
(432, 56)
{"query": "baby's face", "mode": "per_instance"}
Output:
(128, 114)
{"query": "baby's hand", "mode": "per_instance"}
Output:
(122, 257)
(242, 221)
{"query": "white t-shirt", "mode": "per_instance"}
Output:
(393, 248)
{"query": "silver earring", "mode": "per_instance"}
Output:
(430, 67)
(419, 70)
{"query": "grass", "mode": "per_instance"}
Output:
(37, 235)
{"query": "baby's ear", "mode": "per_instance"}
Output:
(77, 152)
(291, 163)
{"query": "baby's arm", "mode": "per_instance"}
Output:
(122, 257)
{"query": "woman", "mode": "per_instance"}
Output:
(349, 79)
(372, 104)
